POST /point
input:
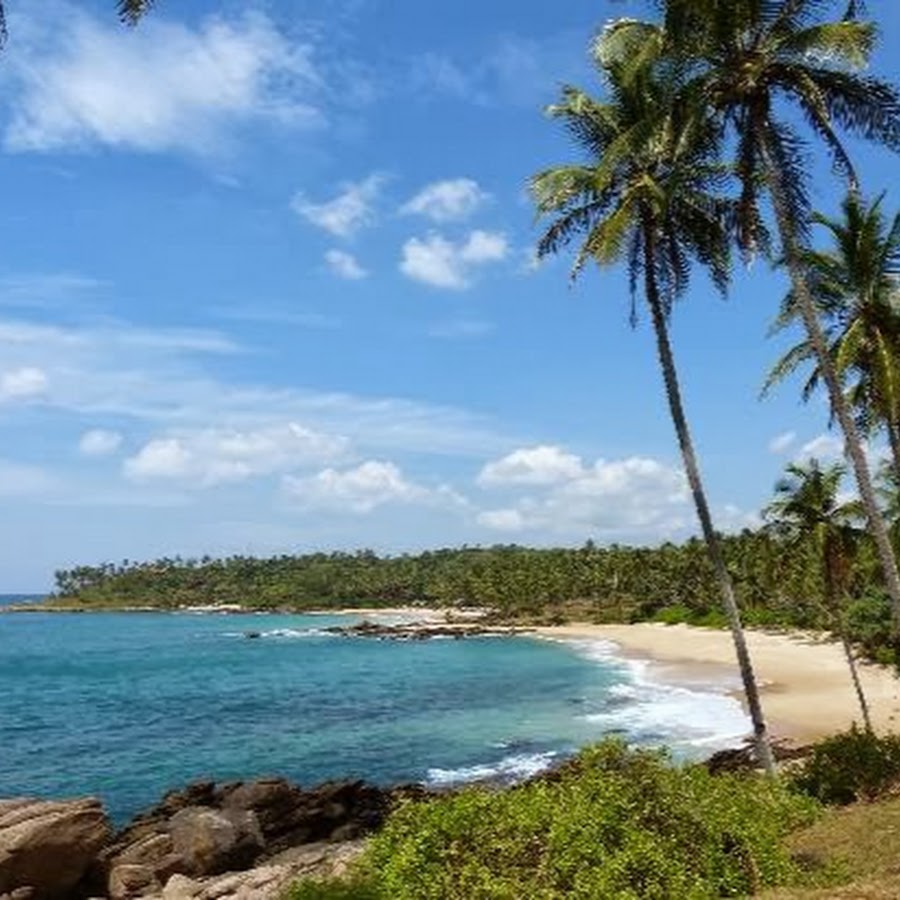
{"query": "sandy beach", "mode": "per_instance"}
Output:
(807, 692)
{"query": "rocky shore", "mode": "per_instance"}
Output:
(246, 840)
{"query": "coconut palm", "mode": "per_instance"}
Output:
(856, 291)
(750, 61)
(648, 195)
(807, 508)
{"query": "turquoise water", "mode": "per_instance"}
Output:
(127, 706)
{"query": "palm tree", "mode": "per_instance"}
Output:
(749, 61)
(856, 291)
(648, 195)
(807, 507)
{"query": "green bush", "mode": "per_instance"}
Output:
(619, 824)
(677, 614)
(870, 625)
(335, 889)
(854, 765)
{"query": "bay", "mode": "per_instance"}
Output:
(126, 706)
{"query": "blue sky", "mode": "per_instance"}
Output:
(266, 285)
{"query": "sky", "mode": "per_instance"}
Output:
(267, 285)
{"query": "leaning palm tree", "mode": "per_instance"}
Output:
(750, 61)
(855, 285)
(648, 195)
(807, 508)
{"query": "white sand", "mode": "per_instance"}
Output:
(807, 692)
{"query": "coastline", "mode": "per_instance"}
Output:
(805, 682)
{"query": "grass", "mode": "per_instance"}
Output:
(860, 844)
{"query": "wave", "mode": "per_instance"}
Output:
(507, 770)
(692, 718)
(280, 633)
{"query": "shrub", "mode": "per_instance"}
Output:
(358, 888)
(854, 765)
(619, 824)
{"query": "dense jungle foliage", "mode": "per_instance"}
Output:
(779, 583)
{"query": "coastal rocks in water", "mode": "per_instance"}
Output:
(418, 631)
(48, 846)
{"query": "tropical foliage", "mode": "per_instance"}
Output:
(616, 823)
(807, 505)
(750, 62)
(854, 284)
(650, 196)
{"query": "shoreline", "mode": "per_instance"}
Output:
(804, 679)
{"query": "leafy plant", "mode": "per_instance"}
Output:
(854, 765)
(618, 823)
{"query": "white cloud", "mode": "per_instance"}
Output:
(629, 499)
(782, 442)
(23, 384)
(99, 442)
(157, 382)
(442, 263)
(510, 520)
(77, 82)
(210, 457)
(825, 447)
(532, 465)
(345, 265)
(447, 201)
(359, 490)
(351, 210)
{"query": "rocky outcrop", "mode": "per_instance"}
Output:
(268, 881)
(47, 848)
(207, 829)
(244, 840)
(419, 631)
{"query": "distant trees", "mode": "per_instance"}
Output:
(807, 507)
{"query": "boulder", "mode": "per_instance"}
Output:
(209, 841)
(48, 846)
(129, 880)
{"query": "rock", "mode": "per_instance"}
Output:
(180, 887)
(210, 841)
(269, 881)
(275, 801)
(49, 846)
(127, 881)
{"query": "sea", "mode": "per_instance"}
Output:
(126, 706)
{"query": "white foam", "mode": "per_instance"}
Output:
(510, 768)
(648, 709)
(282, 633)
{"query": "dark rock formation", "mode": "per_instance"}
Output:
(46, 847)
(207, 829)
(418, 631)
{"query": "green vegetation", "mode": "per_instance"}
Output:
(617, 823)
(779, 583)
(855, 765)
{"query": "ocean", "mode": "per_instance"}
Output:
(126, 706)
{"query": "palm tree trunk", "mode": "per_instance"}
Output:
(893, 430)
(692, 470)
(830, 564)
(853, 445)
